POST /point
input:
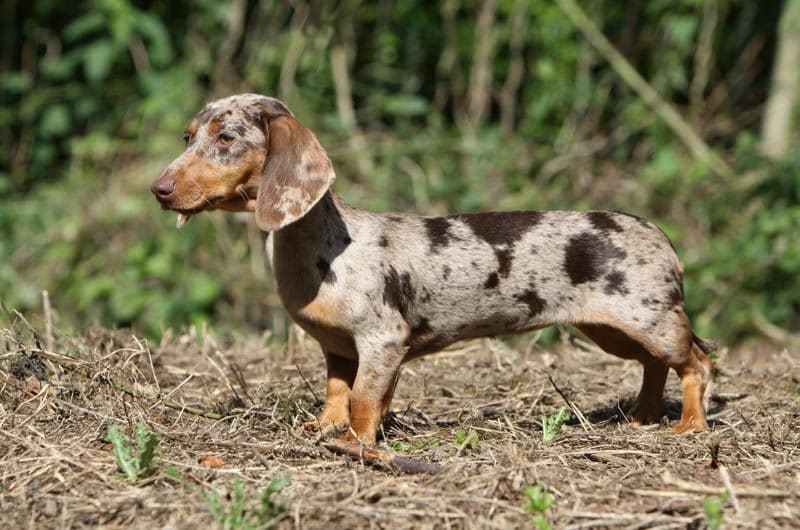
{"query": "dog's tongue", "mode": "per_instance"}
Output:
(182, 218)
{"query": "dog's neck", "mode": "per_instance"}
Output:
(322, 229)
(302, 250)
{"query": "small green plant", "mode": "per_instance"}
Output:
(235, 515)
(471, 440)
(402, 447)
(713, 508)
(419, 445)
(139, 464)
(537, 502)
(551, 425)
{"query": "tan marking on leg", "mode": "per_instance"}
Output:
(372, 392)
(365, 418)
(336, 411)
(693, 414)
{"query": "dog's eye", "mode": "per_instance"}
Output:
(225, 139)
(186, 138)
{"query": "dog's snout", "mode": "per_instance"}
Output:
(163, 187)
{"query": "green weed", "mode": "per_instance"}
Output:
(419, 445)
(713, 508)
(402, 447)
(551, 425)
(236, 515)
(471, 440)
(537, 502)
(139, 464)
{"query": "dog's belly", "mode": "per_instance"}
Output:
(475, 315)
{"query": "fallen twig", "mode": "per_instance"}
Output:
(380, 458)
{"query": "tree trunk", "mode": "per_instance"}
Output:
(776, 129)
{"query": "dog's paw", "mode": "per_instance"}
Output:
(353, 437)
(692, 425)
(322, 430)
(642, 416)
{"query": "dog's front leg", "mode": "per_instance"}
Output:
(336, 411)
(373, 389)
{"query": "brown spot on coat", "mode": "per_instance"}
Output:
(421, 327)
(674, 297)
(604, 222)
(214, 126)
(501, 228)
(205, 114)
(531, 298)
(398, 292)
(438, 232)
(504, 261)
(615, 283)
(588, 255)
(491, 281)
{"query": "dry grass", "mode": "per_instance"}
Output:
(57, 468)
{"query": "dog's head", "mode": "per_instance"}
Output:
(246, 153)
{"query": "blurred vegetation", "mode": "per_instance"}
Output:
(428, 107)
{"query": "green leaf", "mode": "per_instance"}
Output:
(55, 121)
(98, 59)
(151, 27)
(538, 501)
(401, 447)
(405, 105)
(146, 442)
(682, 29)
(121, 447)
(551, 425)
(82, 26)
(134, 466)
(15, 82)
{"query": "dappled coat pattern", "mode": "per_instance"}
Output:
(379, 289)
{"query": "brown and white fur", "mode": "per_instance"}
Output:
(377, 290)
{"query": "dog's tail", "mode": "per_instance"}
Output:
(707, 346)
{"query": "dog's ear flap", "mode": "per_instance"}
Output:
(297, 172)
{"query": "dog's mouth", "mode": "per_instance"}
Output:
(236, 200)
(185, 213)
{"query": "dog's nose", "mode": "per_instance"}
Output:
(162, 188)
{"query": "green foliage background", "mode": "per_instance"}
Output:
(458, 105)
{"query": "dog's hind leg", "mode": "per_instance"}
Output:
(665, 342)
(649, 406)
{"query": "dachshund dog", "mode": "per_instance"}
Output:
(378, 289)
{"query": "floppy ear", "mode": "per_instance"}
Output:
(297, 173)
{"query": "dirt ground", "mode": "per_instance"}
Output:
(226, 411)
